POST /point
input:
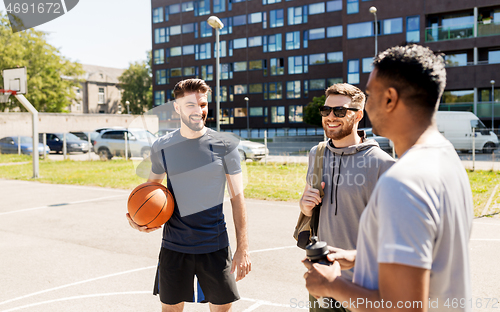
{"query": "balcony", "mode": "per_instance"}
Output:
(484, 110)
(457, 107)
(488, 29)
(441, 33)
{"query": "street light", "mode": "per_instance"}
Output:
(373, 10)
(248, 120)
(128, 107)
(216, 23)
(492, 105)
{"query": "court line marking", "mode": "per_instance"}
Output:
(61, 204)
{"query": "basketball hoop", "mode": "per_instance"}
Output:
(4, 95)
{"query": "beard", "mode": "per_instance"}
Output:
(339, 134)
(194, 126)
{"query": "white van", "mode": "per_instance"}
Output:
(457, 128)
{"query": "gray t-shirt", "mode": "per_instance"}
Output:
(420, 215)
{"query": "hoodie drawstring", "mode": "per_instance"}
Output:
(337, 183)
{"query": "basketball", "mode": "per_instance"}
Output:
(150, 204)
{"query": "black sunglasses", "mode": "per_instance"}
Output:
(338, 111)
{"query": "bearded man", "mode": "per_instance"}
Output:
(352, 166)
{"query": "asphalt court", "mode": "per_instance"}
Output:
(70, 248)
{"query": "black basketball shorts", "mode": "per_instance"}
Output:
(175, 277)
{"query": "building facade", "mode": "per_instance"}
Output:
(282, 53)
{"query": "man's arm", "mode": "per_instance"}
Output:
(401, 287)
(241, 260)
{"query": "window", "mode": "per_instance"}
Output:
(222, 49)
(159, 97)
(188, 28)
(240, 66)
(226, 71)
(315, 59)
(176, 72)
(240, 89)
(239, 20)
(297, 15)
(297, 65)
(205, 30)
(174, 8)
(202, 51)
(255, 65)
(316, 8)
(278, 114)
(272, 43)
(335, 5)
(159, 56)
(493, 57)
(101, 96)
(157, 15)
(220, 6)
(277, 66)
(306, 88)
(393, 26)
(161, 35)
(256, 111)
(228, 25)
(317, 33)
(352, 6)
(227, 117)
(255, 88)
(359, 30)
(305, 38)
(353, 71)
(459, 96)
(161, 77)
(332, 81)
(335, 57)
(293, 89)
(276, 18)
(295, 113)
(334, 31)
(189, 71)
(255, 18)
(317, 84)
(255, 41)
(264, 2)
(203, 8)
(413, 29)
(187, 6)
(240, 43)
(293, 40)
(273, 91)
(459, 59)
(207, 72)
(367, 64)
(175, 30)
(240, 111)
(188, 49)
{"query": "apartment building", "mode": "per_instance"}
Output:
(281, 53)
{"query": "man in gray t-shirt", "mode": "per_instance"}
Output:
(412, 248)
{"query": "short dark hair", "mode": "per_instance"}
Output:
(190, 85)
(416, 72)
(357, 96)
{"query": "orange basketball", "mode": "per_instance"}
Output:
(150, 204)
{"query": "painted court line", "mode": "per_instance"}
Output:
(62, 204)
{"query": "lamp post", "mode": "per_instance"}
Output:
(373, 10)
(492, 105)
(128, 107)
(248, 118)
(216, 23)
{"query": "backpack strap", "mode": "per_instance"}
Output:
(317, 179)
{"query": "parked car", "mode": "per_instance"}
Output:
(383, 142)
(73, 143)
(111, 143)
(163, 132)
(250, 150)
(84, 135)
(10, 145)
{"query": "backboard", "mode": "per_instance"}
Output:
(15, 79)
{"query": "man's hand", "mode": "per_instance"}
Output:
(319, 277)
(310, 199)
(241, 264)
(345, 258)
(136, 226)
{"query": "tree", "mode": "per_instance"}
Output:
(137, 85)
(311, 111)
(47, 90)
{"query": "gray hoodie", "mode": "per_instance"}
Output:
(350, 174)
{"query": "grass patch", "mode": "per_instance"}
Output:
(274, 181)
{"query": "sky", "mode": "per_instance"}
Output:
(110, 33)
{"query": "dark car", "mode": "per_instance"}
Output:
(10, 145)
(73, 143)
(383, 142)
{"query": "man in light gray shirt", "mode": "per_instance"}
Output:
(412, 249)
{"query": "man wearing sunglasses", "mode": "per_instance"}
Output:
(352, 165)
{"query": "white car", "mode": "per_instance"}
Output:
(111, 143)
(250, 150)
